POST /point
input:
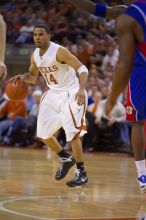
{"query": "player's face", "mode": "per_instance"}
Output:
(41, 37)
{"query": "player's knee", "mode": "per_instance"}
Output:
(76, 137)
(45, 140)
(40, 139)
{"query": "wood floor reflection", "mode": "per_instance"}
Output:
(28, 190)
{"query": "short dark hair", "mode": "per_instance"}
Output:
(44, 26)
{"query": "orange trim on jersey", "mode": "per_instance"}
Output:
(43, 96)
(82, 127)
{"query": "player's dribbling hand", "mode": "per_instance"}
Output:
(3, 70)
(80, 97)
(15, 78)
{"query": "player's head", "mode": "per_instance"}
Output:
(41, 35)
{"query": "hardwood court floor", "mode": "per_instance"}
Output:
(28, 190)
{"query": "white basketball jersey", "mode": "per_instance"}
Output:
(58, 76)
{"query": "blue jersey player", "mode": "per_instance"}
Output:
(131, 71)
(131, 31)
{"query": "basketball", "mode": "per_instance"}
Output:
(16, 90)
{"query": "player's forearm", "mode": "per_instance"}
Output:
(90, 7)
(83, 80)
(85, 5)
(120, 81)
(28, 78)
(2, 38)
(114, 12)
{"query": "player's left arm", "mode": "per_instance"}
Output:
(127, 45)
(29, 77)
(66, 57)
(32, 76)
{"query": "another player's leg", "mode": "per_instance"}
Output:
(81, 175)
(67, 160)
(138, 142)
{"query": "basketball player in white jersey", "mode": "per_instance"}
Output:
(64, 104)
(3, 69)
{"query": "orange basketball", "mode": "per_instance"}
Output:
(16, 90)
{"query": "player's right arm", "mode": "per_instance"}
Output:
(3, 69)
(127, 45)
(32, 76)
(99, 9)
(29, 77)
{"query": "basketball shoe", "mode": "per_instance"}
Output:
(142, 183)
(66, 164)
(80, 179)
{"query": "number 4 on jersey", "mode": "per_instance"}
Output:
(52, 79)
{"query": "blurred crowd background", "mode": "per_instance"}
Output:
(94, 42)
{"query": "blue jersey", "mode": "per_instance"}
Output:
(136, 98)
(137, 10)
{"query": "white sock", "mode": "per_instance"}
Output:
(141, 167)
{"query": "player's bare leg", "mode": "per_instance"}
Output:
(138, 143)
(81, 176)
(67, 161)
(138, 140)
(53, 144)
(77, 149)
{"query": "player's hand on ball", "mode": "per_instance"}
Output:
(3, 70)
(80, 97)
(15, 78)
(16, 89)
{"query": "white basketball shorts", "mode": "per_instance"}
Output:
(60, 109)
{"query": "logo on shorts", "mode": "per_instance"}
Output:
(129, 110)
